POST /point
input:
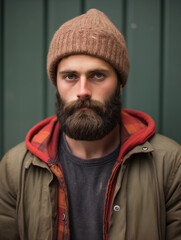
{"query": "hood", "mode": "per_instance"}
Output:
(42, 140)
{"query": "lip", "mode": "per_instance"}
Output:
(84, 108)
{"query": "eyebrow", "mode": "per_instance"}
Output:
(89, 71)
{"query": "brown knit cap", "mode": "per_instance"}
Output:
(93, 34)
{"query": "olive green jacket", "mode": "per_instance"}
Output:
(146, 203)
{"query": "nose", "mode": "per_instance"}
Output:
(83, 89)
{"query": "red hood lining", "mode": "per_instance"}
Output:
(42, 139)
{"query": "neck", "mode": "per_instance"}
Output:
(97, 148)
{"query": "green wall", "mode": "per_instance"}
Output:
(152, 29)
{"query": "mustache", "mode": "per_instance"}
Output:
(74, 106)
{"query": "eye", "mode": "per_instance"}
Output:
(70, 77)
(98, 76)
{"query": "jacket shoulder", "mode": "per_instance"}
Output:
(166, 152)
(14, 157)
(16, 152)
(167, 157)
(11, 165)
(160, 142)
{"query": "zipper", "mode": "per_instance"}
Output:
(109, 198)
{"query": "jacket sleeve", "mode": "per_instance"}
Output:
(9, 179)
(173, 201)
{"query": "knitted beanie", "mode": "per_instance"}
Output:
(93, 34)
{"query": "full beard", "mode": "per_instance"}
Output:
(91, 124)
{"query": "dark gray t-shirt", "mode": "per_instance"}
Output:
(86, 181)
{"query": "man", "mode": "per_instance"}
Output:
(92, 171)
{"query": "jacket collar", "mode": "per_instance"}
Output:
(142, 148)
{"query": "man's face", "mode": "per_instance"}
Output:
(88, 97)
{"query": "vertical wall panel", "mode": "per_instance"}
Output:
(23, 68)
(1, 75)
(58, 13)
(143, 38)
(172, 70)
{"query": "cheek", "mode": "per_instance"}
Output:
(61, 91)
(61, 88)
(104, 92)
(67, 94)
(58, 86)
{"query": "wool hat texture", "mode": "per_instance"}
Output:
(92, 34)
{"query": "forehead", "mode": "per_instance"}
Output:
(83, 62)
